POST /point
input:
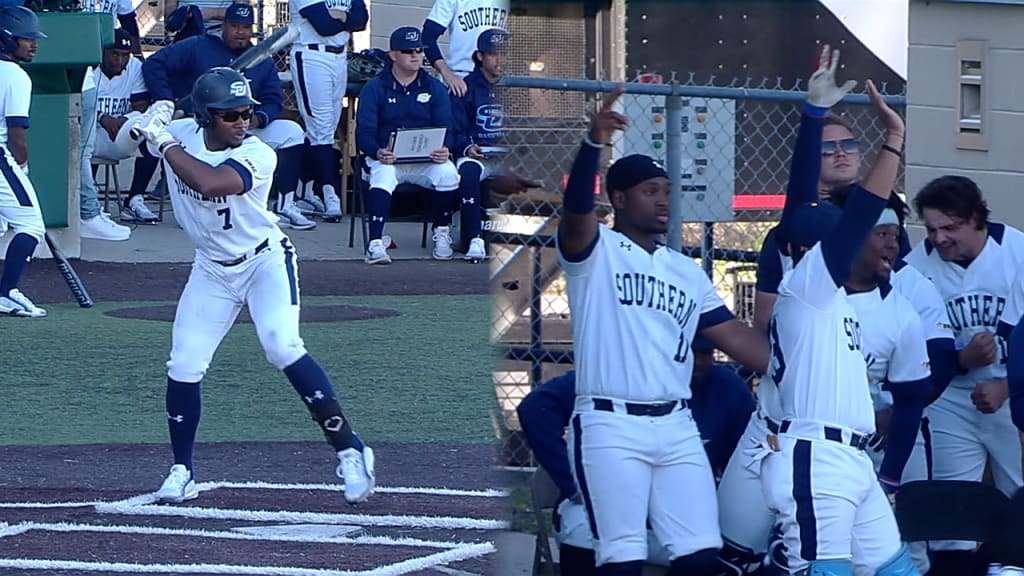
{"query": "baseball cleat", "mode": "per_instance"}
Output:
(17, 304)
(137, 211)
(178, 487)
(291, 217)
(476, 252)
(311, 206)
(101, 227)
(355, 468)
(442, 243)
(376, 253)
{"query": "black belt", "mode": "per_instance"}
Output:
(633, 409)
(858, 441)
(773, 427)
(265, 245)
(331, 49)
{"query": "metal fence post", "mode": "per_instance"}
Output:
(674, 165)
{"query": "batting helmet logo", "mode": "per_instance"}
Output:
(239, 89)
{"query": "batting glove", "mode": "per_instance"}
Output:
(159, 138)
(822, 90)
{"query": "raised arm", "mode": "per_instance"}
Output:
(577, 229)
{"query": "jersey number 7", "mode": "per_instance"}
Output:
(226, 213)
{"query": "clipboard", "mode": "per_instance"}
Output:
(412, 145)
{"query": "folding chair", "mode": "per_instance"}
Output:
(545, 494)
(111, 185)
(361, 186)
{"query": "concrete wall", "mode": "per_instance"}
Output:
(934, 147)
(386, 15)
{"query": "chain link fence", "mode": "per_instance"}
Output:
(727, 148)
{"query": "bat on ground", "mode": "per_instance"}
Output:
(69, 274)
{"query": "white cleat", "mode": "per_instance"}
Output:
(477, 251)
(17, 304)
(178, 487)
(442, 243)
(355, 468)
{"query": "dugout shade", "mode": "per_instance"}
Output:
(74, 42)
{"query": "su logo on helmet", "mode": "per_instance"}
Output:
(239, 88)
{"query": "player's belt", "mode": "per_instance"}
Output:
(324, 48)
(858, 441)
(773, 426)
(265, 245)
(636, 409)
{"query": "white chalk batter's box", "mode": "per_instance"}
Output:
(335, 535)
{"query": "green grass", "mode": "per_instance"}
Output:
(80, 376)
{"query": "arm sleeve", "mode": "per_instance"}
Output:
(909, 381)
(805, 168)
(268, 91)
(544, 414)
(366, 120)
(1015, 375)
(581, 183)
(769, 264)
(432, 31)
(130, 23)
(358, 16)
(320, 19)
(841, 246)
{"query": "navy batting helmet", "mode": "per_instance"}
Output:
(219, 89)
(17, 22)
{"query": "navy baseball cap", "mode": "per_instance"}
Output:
(122, 40)
(406, 38)
(631, 170)
(239, 13)
(491, 40)
(810, 223)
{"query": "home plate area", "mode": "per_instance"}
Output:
(252, 528)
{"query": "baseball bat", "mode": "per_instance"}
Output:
(280, 39)
(69, 274)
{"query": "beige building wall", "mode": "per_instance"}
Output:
(386, 15)
(936, 89)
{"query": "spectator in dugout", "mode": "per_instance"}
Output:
(194, 18)
(171, 72)
(721, 404)
(404, 96)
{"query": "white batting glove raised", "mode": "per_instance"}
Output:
(158, 137)
(822, 90)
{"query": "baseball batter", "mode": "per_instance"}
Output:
(19, 208)
(818, 479)
(972, 261)
(464, 20)
(319, 66)
(219, 179)
(636, 307)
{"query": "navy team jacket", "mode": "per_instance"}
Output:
(385, 106)
(478, 115)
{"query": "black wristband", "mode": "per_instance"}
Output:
(892, 149)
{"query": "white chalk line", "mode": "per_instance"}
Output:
(11, 529)
(231, 535)
(442, 522)
(396, 569)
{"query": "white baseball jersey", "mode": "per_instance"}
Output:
(308, 34)
(924, 297)
(226, 227)
(114, 95)
(976, 296)
(15, 96)
(634, 316)
(817, 367)
(465, 20)
(892, 339)
(115, 7)
(1015, 303)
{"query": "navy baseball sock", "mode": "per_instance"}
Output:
(576, 561)
(378, 206)
(184, 409)
(441, 206)
(145, 167)
(289, 163)
(953, 563)
(19, 253)
(325, 164)
(314, 386)
(634, 568)
(469, 190)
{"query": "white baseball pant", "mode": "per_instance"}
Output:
(574, 530)
(280, 133)
(488, 167)
(828, 500)
(629, 469)
(320, 79)
(744, 517)
(964, 439)
(267, 281)
(19, 206)
(441, 177)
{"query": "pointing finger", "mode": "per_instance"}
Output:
(823, 57)
(609, 101)
(834, 63)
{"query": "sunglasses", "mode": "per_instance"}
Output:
(413, 51)
(230, 116)
(831, 147)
